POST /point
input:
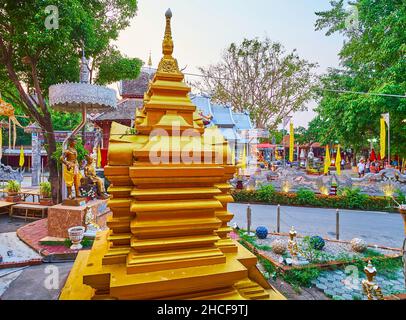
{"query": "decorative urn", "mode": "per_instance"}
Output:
(76, 236)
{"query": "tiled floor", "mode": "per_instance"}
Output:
(346, 285)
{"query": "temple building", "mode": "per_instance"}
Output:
(235, 127)
(132, 96)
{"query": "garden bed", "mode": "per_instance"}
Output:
(336, 253)
(350, 199)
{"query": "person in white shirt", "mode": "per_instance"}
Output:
(361, 168)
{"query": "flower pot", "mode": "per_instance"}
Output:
(76, 236)
(46, 202)
(13, 197)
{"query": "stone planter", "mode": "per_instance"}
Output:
(46, 202)
(13, 197)
(76, 236)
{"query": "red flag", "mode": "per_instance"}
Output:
(372, 156)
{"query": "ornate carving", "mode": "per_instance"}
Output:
(168, 66)
(8, 173)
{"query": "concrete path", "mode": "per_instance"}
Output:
(42, 282)
(379, 228)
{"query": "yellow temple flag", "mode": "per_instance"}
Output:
(244, 159)
(291, 142)
(21, 162)
(327, 160)
(338, 161)
(99, 157)
(383, 138)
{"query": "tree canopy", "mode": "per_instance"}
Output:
(373, 60)
(260, 77)
(41, 42)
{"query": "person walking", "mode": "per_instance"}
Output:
(361, 168)
(342, 164)
(368, 166)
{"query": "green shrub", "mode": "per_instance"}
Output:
(266, 193)
(354, 199)
(400, 196)
(13, 186)
(306, 197)
(45, 189)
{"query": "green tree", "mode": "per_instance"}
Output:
(259, 76)
(34, 55)
(373, 60)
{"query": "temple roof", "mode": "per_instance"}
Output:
(137, 87)
(222, 115)
(242, 121)
(125, 111)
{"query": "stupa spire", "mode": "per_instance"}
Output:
(167, 45)
(150, 60)
(168, 64)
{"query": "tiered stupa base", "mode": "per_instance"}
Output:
(237, 278)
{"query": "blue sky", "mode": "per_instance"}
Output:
(202, 29)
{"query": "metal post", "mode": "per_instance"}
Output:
(249, 214)
(278, 219)
(337, 224)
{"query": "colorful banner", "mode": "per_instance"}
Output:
(99, 157)
(244, 159)
(291, 142)
(327, 160)
(338, 161)
(21, 162)
(383, 139)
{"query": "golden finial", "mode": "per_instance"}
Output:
(168, 64)
(150, 60)
(167, 45)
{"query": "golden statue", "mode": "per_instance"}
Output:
(292, 244)
(71, 172)
(90, 174)
(370, 288)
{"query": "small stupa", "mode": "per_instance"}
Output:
(168, 236)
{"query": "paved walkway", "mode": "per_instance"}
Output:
(379, 228)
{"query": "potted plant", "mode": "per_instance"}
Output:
(46, 194)
(13, 188)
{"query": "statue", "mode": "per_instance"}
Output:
(91, 226)
(92, 178)
(71, 173)
(84, 70)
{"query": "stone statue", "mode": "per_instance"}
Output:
(71, 173)
(91, 226)
(91, 177)
(84, 70)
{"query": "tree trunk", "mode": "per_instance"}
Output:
(52, 164)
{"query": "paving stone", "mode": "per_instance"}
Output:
(329, 292)
(347, 296)
(322, 286)
(338, 297)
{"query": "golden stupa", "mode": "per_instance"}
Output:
(168, 236)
